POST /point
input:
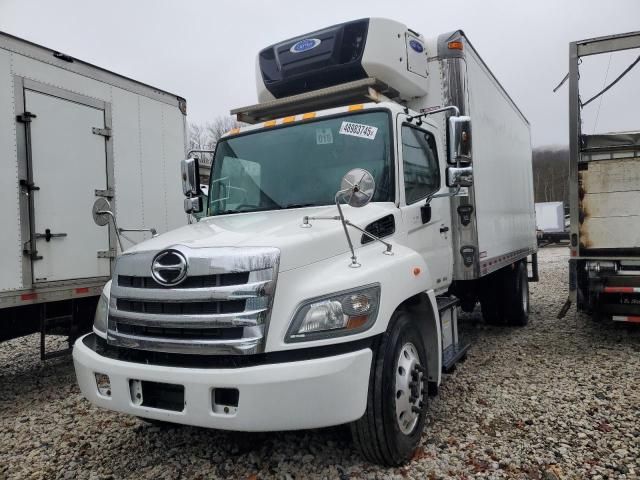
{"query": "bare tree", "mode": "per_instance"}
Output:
(206, 136)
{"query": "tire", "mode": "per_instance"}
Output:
(389, 431)
(516, 287)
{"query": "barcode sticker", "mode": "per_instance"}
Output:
(358, 130)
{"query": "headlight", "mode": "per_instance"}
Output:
(100, 318)
(342, 313)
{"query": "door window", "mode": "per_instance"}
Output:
(420, 164)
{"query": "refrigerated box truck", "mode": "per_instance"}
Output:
(604, 188)
(341, 230)
(72, 133)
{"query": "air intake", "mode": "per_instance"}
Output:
(381, 228)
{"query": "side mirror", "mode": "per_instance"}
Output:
(190, 177)
(459, 139)
(357, 188)
(190, 174)
(459, 176)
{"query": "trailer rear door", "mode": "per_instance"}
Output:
(68, 163)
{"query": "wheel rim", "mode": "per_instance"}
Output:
(525, 295)
(408, 392)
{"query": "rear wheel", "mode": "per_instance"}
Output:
(390, 429)
(516, 288)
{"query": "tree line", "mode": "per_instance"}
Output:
(551, 174)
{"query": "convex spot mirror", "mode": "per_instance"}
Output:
(357, 187)
(459, 139)
(460, 176)
(100, 211)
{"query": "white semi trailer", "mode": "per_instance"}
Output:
(342, 228)
(72, 133)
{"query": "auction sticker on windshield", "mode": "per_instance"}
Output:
(358, 130)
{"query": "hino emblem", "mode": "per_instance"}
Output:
(169, 267)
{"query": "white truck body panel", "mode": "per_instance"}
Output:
(502, 224)
(550, 216)
(140, 162)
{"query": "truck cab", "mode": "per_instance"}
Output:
(317, 289)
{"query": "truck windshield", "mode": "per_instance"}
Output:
(300, 165)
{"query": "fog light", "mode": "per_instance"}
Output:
(104, 384)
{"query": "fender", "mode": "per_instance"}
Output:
(401, 276)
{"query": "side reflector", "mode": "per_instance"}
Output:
(356, 107)
(82, 290)
(28, 296)
(455, 45)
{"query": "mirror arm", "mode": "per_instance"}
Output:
(437, 110)
(354, 260)
(373, 237)
(115, 225)
(442, 195)
(154, 232)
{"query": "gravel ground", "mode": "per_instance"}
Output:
(558, 399)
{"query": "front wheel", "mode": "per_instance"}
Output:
(390, 429)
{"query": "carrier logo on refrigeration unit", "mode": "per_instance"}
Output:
(304, 45)
(416, 45)
(169, 268)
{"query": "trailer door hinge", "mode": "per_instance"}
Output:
(111, 253)
(30, 252)
(25, 117)
(108, 193)
(105, 132)
(29, 186)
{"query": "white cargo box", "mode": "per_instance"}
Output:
(70, 133)
(550, 217)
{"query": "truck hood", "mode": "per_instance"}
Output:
(277, 228)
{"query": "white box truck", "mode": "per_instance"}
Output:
(72, 133)
(550, 223)
(342, 228)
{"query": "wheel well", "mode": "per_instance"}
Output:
(422, 312)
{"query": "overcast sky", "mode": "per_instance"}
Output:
(205, 50)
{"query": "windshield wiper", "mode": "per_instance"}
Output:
(258, 209)
(299, 205)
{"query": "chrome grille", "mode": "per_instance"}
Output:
(221, 307)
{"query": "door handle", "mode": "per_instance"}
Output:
(444, 229)
(47, 235)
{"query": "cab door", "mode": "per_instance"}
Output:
(421, 175)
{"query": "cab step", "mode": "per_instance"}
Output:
(453, 350)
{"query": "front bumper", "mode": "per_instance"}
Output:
(312, 393)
